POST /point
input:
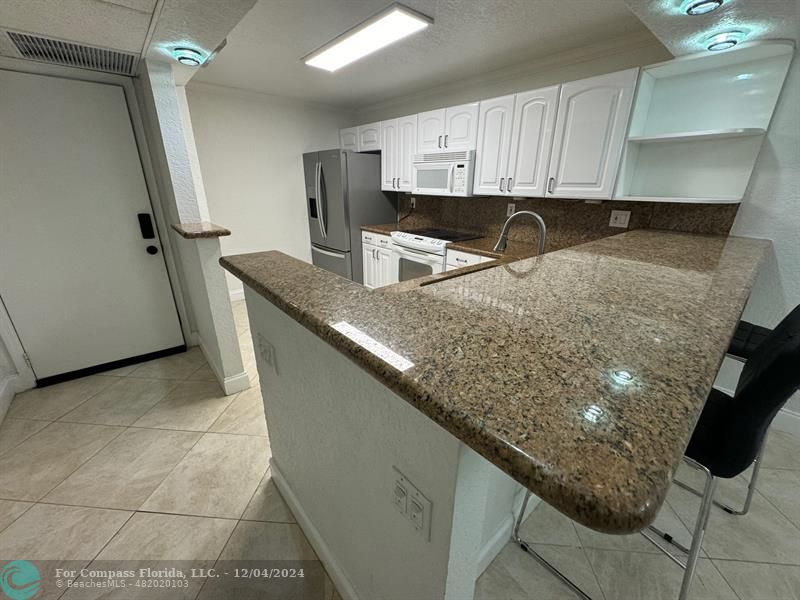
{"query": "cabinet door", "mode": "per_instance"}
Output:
(406, 147)
(461, 127)
(590, 132)
(430, 130)
(384, 268)
(389, 155)
(369, 262)
(531, 142)
(494, 135)
(348, 139)
(369, 137)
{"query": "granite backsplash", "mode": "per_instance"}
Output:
(569, 222)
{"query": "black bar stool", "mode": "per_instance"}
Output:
(728, 438)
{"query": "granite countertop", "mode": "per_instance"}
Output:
(483, 246)
(526, 362)
(202, 229)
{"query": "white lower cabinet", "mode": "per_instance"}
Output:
(376, 256)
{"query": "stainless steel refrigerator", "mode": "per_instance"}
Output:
(343, 192)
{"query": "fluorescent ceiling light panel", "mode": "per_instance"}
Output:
(386, 27)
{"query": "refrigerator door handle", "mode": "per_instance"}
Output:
(320, 214)
(327, 252)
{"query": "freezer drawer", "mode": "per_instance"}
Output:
(333, 261)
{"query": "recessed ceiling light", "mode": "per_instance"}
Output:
(388, 26)
(700, 7)
(187, 56)
(724, 40)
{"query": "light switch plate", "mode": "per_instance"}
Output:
(417, 508)
(511, 208)
(620, 218)
(413, 202)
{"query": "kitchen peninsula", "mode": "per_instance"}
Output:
(578, 374)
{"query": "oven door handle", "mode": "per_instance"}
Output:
(426, 257)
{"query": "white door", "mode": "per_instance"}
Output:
(430, 130)
(406, 147)
(590, 133)
(348, 139)
(531, 142)
(389, 158)
(75, 273)
(461, 127)
(369, 137)
(369, 259)
(494, 137)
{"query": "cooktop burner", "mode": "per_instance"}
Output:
(445, 234)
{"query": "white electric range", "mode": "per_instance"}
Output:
(421, 252)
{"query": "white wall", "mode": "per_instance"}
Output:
(250, 147)
(604, 57)
(771, 209)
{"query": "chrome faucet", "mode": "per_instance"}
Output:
(500, 246)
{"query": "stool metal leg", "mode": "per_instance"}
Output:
(699, 528)
(751, 486)
(527, 548)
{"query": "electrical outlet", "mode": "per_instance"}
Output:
(412, 504)
(267, 352)
(413, 202)
(620, 218)
(511, 208)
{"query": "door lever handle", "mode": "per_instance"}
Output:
(146, 226)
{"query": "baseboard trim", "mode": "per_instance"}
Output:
(333, 568)
(237, 295)
(236, 383)
(495, 544)
(230, 385)
(8, 387)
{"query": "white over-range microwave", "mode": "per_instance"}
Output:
(444, 173)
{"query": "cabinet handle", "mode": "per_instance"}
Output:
(397, 182)
(550, 183)
(445, 140)
(440, 141)
(508, 187)
(502, 181)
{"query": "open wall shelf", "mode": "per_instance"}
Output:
(698, 123)
(697, 136)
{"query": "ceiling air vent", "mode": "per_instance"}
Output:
(59, 52)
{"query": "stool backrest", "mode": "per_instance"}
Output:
(769, 378)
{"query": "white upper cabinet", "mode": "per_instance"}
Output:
(389, 155)
(369, 137)
(348, 139)
(398, 144)
(515, 136)
(591, 128)
(448, 129)
(461, 127)
(494, 137)
(531, 142)
(430, 130)
(406, 147)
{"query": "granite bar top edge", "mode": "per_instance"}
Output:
(200, 230)
(600, 510)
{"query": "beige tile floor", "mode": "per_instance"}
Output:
(153, 462)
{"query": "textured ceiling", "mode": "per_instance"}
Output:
(467, 37)
(121, 25)
(127, 24)
(682, 34)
